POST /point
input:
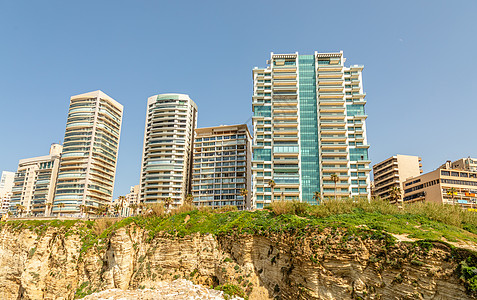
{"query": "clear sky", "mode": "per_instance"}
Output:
(419, 57)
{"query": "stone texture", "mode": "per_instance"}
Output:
(319, 265)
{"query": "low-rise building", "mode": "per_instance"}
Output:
(445, 185)
(468, 164)
(35, 183)
(392, 172)
(222, 166)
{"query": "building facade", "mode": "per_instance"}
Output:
(392, 172)
(309, 123)
(445, 185)
(35, 183)
(88, 163)
(167, 150)
(6, 185)
(468, 164)
(222, 166)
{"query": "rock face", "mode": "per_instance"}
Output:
(176, 290)
(331, 264)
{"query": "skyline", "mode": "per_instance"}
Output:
(397, 57)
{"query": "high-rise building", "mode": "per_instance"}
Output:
(392, 172)
(90, 151)
(309, 124)
(167, 150)
(35, 182)
(6, 185)
(222, 166)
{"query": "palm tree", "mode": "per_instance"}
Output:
(133, 207)
(317, 197)
(395, 194)
(244, 194)
(60, 206)
(452, 192)
(188, 199)
(82, 208)
(20, 209)
(122, 200)
(335, 179)
(168, 202)
(116, 208)
(272, 184)
(48, 207)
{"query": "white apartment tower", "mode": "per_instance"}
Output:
(35, 182)
(6, 185)
(222, 166)
(167, 150)
(309, 123)
(90, 151)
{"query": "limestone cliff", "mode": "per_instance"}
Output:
(56, 263)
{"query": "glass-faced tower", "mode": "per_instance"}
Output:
(309, 129)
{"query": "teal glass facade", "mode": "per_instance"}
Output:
(310, 168)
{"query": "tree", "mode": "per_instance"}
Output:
(272, 185)
(189, 199)
(122, 200)
(116, 208)
(335, 179)
(317, 196)
(60, 206)
(133, 207)
(452, 192)
(244, 194)
(20, 209)
(82, 208)
(168, 203)
(395, 194)
(48, 206)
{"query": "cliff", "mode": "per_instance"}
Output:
(258, 255)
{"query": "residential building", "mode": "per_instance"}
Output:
(222, 166)
(132, 198)
(392, 172)
(35, 182)
(467, 164)
(6, 185)
(445, 185)
(309, 123)
(88, 163)
(167, 149)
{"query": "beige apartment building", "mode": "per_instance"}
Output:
(392, 172)
(309, 123)
(467, 164)
(222, 166)
(90, 151)
(167, 149)
(436, 187)
(35, 183)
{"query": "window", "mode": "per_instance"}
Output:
(355, 110)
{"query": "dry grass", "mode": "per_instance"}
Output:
(226, 208)
(100, 225)
(447, 214)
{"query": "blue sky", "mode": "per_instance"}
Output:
(419, 57)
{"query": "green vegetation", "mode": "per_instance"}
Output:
(231, 290)
(84, 290)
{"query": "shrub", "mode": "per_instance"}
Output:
(227, 208)
(231, 290)
(100, 225)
